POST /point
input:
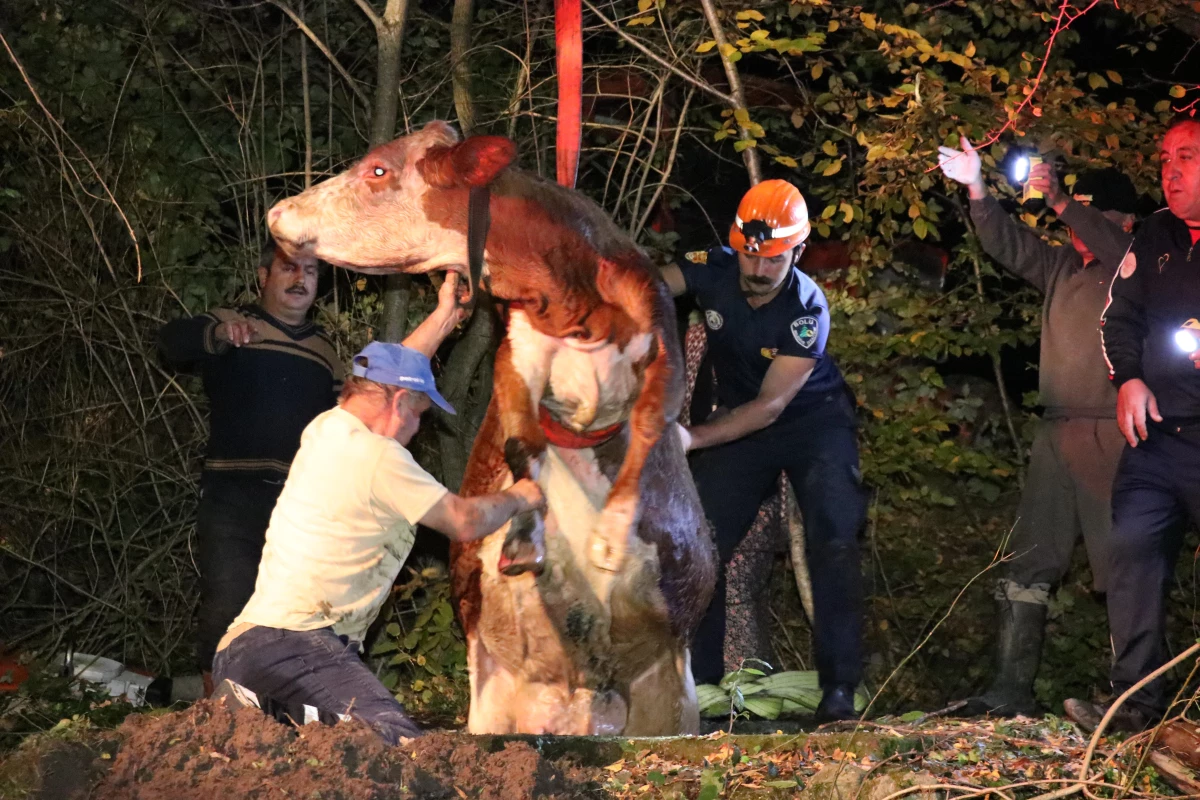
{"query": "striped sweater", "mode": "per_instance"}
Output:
(261, 395)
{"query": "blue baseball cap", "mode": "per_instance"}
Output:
(397, 365)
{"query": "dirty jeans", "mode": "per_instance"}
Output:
(317, 668)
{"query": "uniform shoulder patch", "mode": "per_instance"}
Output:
(804, 331)
(1128, 264)
(697, 256)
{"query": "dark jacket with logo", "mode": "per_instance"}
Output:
(1155, 293)
(1072, 376)
(261, 395)
(743, 341)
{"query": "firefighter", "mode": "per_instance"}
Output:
(784, 407)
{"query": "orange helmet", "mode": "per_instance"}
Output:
(771, 219)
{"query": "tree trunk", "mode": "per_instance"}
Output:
(457, 434)
(460, 45)
(389, 30)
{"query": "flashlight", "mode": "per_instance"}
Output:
(1187, 338)
(1020, 170)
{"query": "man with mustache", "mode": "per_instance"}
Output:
(267, 372)
(1149, 332)
(784, 408)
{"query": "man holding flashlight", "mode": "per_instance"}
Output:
(1075, 452)
(1148, 330)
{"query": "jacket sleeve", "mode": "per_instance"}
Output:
(1107, 240)
(1018, 249)
(186, 342)
(1123, 323)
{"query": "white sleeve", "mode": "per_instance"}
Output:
(401, 489)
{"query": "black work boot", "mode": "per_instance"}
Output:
(837, 703)
(1127, 719)
(1018, 652)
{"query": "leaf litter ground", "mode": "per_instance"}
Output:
(210, 751)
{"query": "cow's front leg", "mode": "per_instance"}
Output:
(647, 421)
(520, 375)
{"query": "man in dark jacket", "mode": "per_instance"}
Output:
(1149, 333)
(268, 371)
(1075, 452)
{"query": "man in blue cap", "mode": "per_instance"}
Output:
(342, 528)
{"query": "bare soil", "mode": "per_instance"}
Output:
(210, 751)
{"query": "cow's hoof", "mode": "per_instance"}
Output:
(603, 555)
(522, 564)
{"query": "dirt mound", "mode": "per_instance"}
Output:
(211, 751)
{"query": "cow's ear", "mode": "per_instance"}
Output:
(475, 162)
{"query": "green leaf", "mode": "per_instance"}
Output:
(912, 716)
(657, 778)
(709, 792)
(742, 144)
(920, 227)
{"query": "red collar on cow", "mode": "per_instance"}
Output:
(560, 435)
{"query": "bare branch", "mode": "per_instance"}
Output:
(325, 51)
(750, 154)
(692, 79)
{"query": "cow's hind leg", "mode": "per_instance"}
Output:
(517, 389)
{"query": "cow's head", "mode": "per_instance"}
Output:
(375, 217)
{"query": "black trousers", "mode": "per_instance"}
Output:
(231, 526)
(821, 461)
(1155, 493)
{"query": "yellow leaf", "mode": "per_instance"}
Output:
(829, 211)
(1069, 180)
(829, 148)
(847, 212)
(360, 284)
(640, 21)
(1177, 91)
(727, 50)
(1114, 76)
(914, 211)
(1113, 141)
(616, 767)
(1096, 81)
(742, 116)
(920, 227)
(834, 25)
(645, 5)
(868, 20)
(817, 70)
(704, 47)
(742, 144)
(759, 35)
(750, 14)
(787, 161)
(833, 168)
(970, 51)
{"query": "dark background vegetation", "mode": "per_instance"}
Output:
(134, 185)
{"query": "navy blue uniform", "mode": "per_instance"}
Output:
(1157, 487)
(813, 441)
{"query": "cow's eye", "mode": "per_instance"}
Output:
(379, 172)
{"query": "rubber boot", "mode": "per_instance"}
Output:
(1018, 653)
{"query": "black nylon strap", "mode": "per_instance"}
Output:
(478, 222)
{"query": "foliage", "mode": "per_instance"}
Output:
(421, 648)
(750, 690)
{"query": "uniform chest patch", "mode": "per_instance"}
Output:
(769, 352)
(713, 320)
(697, 256)
(1128, 264)
(804, 331)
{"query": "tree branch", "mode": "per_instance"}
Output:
(325, 51)
(738, 101)
(460, 44)
(692, 79)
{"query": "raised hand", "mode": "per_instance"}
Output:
(963, 166)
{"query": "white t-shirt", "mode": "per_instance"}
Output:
(341, 530)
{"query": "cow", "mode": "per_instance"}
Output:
(578, 622)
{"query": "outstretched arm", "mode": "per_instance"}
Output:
(785, 377)
(433, 330)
